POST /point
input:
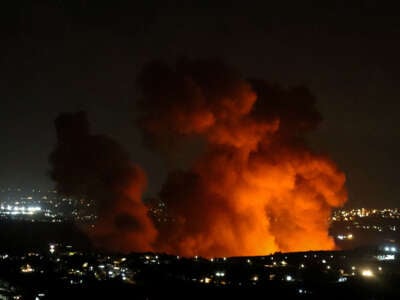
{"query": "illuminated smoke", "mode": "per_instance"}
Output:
(96, 167)
(254, 186)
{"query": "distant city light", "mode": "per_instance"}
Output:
(367, 273)
(220, 274)
(27, 269)
(385, 257)
(289, 278)
(348, 236)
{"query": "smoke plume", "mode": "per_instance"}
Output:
(252, 186)
(256, 187)
(97, 167)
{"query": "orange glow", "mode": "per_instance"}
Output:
(261, 206)
(257, 188)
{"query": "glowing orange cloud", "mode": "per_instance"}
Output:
(257, 188)
(253, 185)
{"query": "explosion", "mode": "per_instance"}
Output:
(251, 187)
(256, 187)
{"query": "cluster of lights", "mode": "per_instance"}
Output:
(348, 236)
(19, 210)
(15, 203)
(390, 249)
(52, 248)
(108, 267)
(205, 280)
(388, 253)
(351, 214)
(150, 259)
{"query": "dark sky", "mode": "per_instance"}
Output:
(68, 55)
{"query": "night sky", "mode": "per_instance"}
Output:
(59, 56)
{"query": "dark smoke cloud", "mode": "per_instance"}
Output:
(97, 167)
(294, 107)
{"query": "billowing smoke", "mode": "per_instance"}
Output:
(254, 186)
(97, 167)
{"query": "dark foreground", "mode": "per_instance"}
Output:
(38, 261)
(351, 290)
